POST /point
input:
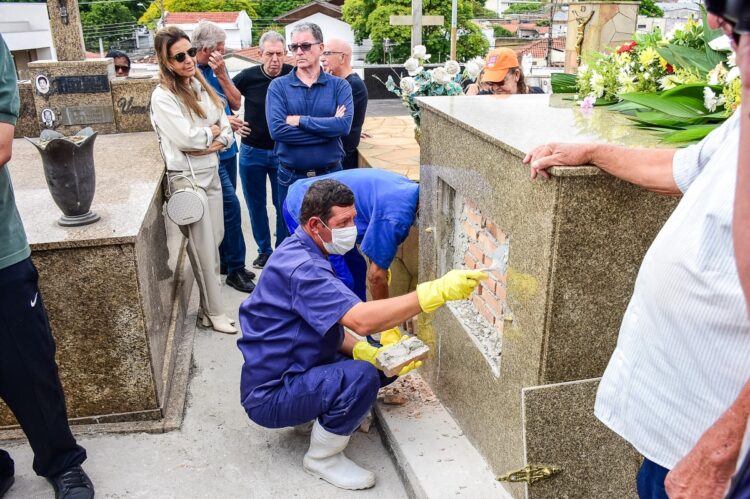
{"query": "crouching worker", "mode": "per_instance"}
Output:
(300, 366)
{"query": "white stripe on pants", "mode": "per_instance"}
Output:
(205, 235)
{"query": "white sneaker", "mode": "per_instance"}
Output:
(325, 459)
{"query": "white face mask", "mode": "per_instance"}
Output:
(343, 239)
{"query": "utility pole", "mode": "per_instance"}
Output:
(552, 5)
(454, 28)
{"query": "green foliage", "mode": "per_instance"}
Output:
(563, 83)
(542, 22)
(649, 8)
(153, 13)
(479, 11)
(268, 9)
(110, 21)
(500, 32)
(371, 18)
(523, 8)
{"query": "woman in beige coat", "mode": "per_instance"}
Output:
(189, 118)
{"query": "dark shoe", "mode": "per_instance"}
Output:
(260, 262)
(250, 273)
(241, 281)
(73, 483)
(6, 484)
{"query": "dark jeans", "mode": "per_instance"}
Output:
(650, 481)
(288, 176)
(255, 165)
(740, 488)
(232, 247)
(351, 160)
(29, 382)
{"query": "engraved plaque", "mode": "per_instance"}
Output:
(86, 115)
(89, 84)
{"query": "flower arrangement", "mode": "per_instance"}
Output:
(682, 85)
(443, 80)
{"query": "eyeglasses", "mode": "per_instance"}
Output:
(180, 57)
(124, 69)
(304, 46)
(329, 53)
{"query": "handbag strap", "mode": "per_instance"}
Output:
(161, 150)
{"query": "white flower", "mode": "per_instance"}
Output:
(582, 69)
(412, 66)
(479, 62)
(408, 85)
(721, 43)
(732, 60)
(597, 84)
(646, 76)
(668, 82)
(710, 100)
(440, 75)
(624, 78)
(732, 74)
(473, 69)
(452, 68)
(420, 52)
(717, 74)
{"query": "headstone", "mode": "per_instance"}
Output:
(593, 26)
(67, 34)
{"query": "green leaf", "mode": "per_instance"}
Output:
(563, 83)
(691, 134)
(661, 119)
(681, 106)
(686, 57)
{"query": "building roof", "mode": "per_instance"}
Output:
(514, 27)
(538, 48)
(253, 54)
(196, 17)
(330, 9)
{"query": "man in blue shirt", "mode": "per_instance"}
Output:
(386, 206)
(299, 364)
(308, 111)
(209, 39)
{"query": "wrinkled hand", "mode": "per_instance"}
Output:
(364, 351)
(455, 285)
(215, 146)
(216, 62)
(292, 120)
(365, 135)
(548, 155)
(340, 112)
(239, 126)
(215, 130)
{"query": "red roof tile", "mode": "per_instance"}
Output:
(196, 17)
(538, 48)
(254, 54)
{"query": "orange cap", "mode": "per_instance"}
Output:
(499, 61)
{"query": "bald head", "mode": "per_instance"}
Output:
(337, 57)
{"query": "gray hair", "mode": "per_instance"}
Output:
(207, 35)
(270, 36)
(311, 28)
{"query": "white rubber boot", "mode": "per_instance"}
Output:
(325, 459)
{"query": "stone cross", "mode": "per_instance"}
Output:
(67, 34)
(416, 20)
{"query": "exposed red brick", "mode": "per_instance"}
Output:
(485, 311)
(470, 261)
(501, 293)
(489, 285)
(488, 245)
(471, 230)
(494, 304)
(474, 217)
(476, 252)
(495, 231)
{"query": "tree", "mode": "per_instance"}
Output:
(110, 21)
(523, 8)
(500, 32)
(479, 11)
(649, 8)
(153, 13)
(371, 19)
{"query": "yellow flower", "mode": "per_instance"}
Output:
(647, 56)
(663, 63)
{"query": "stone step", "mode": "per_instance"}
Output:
(434, 458)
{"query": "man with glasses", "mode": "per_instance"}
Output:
(209, 39)
(308, 112)
(337, 60)
(257, 156)
(122, 62)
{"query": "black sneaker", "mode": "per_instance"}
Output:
(6, 484)
(260, 262)
(73, 483)
(241, 281)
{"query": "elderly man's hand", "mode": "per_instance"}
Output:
(239, 126)
(340, 111)
(292, 120)
(216, 62)
(549, 155)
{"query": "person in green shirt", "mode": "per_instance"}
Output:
(29, 382)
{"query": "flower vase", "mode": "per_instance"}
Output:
(69, 170)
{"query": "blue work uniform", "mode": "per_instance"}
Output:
(293, 371)
(386, 205)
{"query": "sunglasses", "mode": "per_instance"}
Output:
(125, 69)
(304, 46)
(329, 53)
(180, 57)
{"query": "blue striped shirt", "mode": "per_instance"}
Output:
(683, 353)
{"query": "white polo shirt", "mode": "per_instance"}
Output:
(683, 353)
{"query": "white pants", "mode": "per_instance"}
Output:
(205, 235)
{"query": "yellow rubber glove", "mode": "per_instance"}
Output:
(390, 336)
(364, 351)
(455, 285)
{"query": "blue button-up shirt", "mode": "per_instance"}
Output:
(386, 205)
(291, 321)
(316, 142)
(211, 78)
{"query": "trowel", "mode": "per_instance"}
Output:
(499, 260)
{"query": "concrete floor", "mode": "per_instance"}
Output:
(218, 452)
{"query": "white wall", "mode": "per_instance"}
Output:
(239, 34)
(25, 26)
(332, 28)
